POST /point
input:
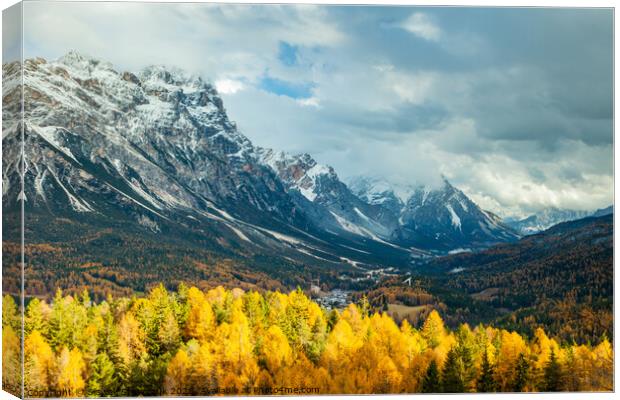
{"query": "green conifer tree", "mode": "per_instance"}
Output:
(432, 380)
(522, 374)
(486, 381)
(452, 374)
(332, 319)
(552, 374)
(465, 352)
(102, 381)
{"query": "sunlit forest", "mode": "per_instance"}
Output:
(193, 342)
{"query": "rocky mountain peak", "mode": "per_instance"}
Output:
(157, 141)
(298, 171)
(378, 190)
(436, 216)
(80, 61)
(157, 79)
(158, 138)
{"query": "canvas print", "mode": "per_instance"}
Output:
(234, 199)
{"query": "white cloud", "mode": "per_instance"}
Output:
(421, 25)
(309, 102)
(217, 41)
(228, 86)
(505, 186)
(414, 88)
(384, 67)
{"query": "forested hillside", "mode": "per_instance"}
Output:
(193, 342)
(561, 278)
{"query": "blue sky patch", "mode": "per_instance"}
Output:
(288, 54)
(294, 90)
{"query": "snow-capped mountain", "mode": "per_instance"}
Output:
(446, 217)
(155, 142)
(546, 218)
(300, 172)
(440, 217)
(325, 198)
(380, 192)
(156, 150)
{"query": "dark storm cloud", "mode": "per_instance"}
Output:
(543, 74)
(404, 119)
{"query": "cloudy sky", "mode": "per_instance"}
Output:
(514, 106)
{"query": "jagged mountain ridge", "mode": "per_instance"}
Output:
(166, 136)
(440, 217)
(318, 189)
(157, 148)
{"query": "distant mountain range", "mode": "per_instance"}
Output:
(155, 153)
(552, 216)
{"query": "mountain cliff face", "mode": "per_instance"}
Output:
(440, 217)
(155, 142)
(332, 205)
(155, 151)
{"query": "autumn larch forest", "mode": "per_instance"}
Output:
(192, 342)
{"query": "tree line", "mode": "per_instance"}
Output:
(195, 342)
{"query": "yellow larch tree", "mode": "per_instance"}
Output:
(204, 369)
(132, 339)
(70, 372)
(388, 378)
(603, 366)
(275, 351)
(235, 350)
(11, 360)
(433, 329)
(357, 321)
(583, 367)
(542, 346)
(200, 322)
(177, 374)
(38, 363)
(512, 345)
(339, 350)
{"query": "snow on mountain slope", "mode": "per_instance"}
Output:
(160, 137)
(378, 191)
(300, 172)
(329, 201)
(428, 217)
(156, 147)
